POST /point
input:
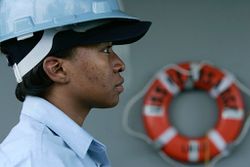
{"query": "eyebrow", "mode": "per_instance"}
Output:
(105, 44)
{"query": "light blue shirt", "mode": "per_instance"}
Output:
(46, 137)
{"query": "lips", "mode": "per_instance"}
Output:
(118, 87)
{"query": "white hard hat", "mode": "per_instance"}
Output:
(82, 21)
(20, 17)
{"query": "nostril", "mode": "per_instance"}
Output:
(122, 68)
(119, 67)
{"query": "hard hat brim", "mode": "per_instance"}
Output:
(118, 32)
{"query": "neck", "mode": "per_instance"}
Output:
(76, 111)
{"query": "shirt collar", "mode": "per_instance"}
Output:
(43, 111)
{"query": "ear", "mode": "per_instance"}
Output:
(53, 67)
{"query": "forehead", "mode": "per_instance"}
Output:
(97, 45)
(88, 48)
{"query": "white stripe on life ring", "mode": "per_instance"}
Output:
(170, 86)
(195, 71)
(217, 139)
(193, 152)
(150, 110)
(165, 137)
(224, 84)
(232, 114)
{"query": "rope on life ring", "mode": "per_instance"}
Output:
(170, 82)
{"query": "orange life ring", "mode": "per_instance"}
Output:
(168, 83)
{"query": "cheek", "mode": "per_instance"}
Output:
(97, 75)
(95, 85)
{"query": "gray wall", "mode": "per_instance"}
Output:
(194, 30)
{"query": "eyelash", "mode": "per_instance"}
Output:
(108, 50)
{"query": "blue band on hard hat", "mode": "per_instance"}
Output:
(53, 40)
(117, 32)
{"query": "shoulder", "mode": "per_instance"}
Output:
(32, 143)
(18, 147)
(35, 145)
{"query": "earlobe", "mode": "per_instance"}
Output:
(53, 67)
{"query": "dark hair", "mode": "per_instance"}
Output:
(36, 81)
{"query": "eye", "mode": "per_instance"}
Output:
(108, 49)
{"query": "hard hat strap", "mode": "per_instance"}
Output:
(35, 55)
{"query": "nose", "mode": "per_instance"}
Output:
(118, 64)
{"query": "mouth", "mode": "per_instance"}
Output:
(119, 87)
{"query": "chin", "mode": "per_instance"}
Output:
(108, 105)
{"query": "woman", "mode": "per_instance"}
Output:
(62, 57)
